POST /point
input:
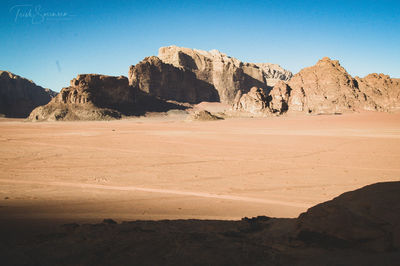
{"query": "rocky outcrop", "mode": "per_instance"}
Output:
(204, 115)
(19, 96)
(278, 100)
(368, 218)
(325, 88)
(191, 75)
(382, 89)
(165, 81)
(89, 97)
(258, 102)
(254, 102)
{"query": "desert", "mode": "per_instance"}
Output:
(200, 133)
(166, 167)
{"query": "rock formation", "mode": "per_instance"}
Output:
(326, 88)
(89, 97)
(368, 218)
(191, 75)
(278, 100)
(19, 96)
(382, 89)
(254, 102)
(204, 115)
(165, 81)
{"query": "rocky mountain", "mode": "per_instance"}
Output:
(327, 88)
(382, 89)
(165, 81)
(89, 97)
(192, 75)
(19, 96)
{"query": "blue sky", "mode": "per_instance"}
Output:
(95, 37)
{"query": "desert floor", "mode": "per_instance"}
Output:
(170, 168)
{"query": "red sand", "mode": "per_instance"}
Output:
(162, 168)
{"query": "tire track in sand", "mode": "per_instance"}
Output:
(157, 190)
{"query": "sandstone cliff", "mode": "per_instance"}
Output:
(382, 89)
(326, 88)
(19, 96)
(89, 97)
(191, 75)
(165, 81)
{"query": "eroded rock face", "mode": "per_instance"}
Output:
(204, 115)
(278, 100)
(19, 96)
(89, 97)
(254, 102)
(382, 89)
(258, 102)
(168, 82)
(368, 217)
(191, 75)
(327, 88)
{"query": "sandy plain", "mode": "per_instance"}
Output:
(169, 168)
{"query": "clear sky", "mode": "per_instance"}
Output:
(50, 42)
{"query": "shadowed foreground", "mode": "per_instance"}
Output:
(361, 227)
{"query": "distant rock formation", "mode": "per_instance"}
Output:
(191, 75)
(382, 89)
(368, 218)
(89, 97)
(258, 102)
(254, 102)
(204, 115)
(165, 81)
(326, 88)
(19, 96)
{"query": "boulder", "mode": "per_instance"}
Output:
(19, 96)
(254, 102)
(204, 115)
(278, 98)
(90, 97)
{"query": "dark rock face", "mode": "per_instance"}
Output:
(190, 75)
(368, 218)
(90, 97)
(19, 96)
(103, 91)
(168, 82)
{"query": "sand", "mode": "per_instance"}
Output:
(169, 168)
